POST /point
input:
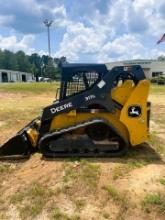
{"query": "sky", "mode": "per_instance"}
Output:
(85, 30)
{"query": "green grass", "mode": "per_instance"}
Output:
(154, 89)
(17, 198)
(157, 144)
(106, 215)
(5, 168)
(84, 177)
(50, 87)
(124, 169)
(136, 164)
(29, 87)
(153, 202)
(80, 204)
(31, 210)
(113, 193)
(157, 114)
(119, 198)
(31, 201)
(159, 119)
(57, 214)
(162, 181)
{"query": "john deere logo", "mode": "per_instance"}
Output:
(134, 111)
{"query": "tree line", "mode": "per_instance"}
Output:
(40, 66)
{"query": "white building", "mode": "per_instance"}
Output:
(15, 76)
(151, 68)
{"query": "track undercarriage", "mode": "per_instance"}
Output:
(87, 139)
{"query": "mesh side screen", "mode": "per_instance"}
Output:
(77, 84)
(92, 78)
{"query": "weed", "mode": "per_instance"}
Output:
(4, 168)
(3, 209)
(136, 164)
(83, 176)
(120, 199)
(157, 144)
(70, 173)
(30, 202)
(113, 193)
(57, 191)
(153, 201)
(17, 198)
(3, 206)
(3, 215)
(122, 170)
(59, 215)
(36, 190)
(32, 210)
(119, 171)
(106, 215)
(90, 173)
(80, 203)
(162, 181)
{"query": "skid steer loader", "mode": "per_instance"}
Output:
(99, 113)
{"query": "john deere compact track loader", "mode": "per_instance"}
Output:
(99, 113)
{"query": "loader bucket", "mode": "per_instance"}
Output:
(16, 147)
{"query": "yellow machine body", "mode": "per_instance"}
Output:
(99, 113)
(134, 130)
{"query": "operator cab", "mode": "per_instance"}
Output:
(77, 78)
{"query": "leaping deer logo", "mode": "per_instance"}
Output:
(134, 111)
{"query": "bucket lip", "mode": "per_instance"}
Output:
(17, 146)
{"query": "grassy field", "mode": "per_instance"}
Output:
(36, 88)
(130, 188)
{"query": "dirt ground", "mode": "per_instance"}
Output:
(129, 188)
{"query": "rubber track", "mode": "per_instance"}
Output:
(52, 136)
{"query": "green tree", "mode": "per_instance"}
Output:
(45, 65)
(52, 70)
(161, 58)
(8, 60)
(23, 61)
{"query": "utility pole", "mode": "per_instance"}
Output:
(48, 23)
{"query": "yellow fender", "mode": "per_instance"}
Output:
(137, 126)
